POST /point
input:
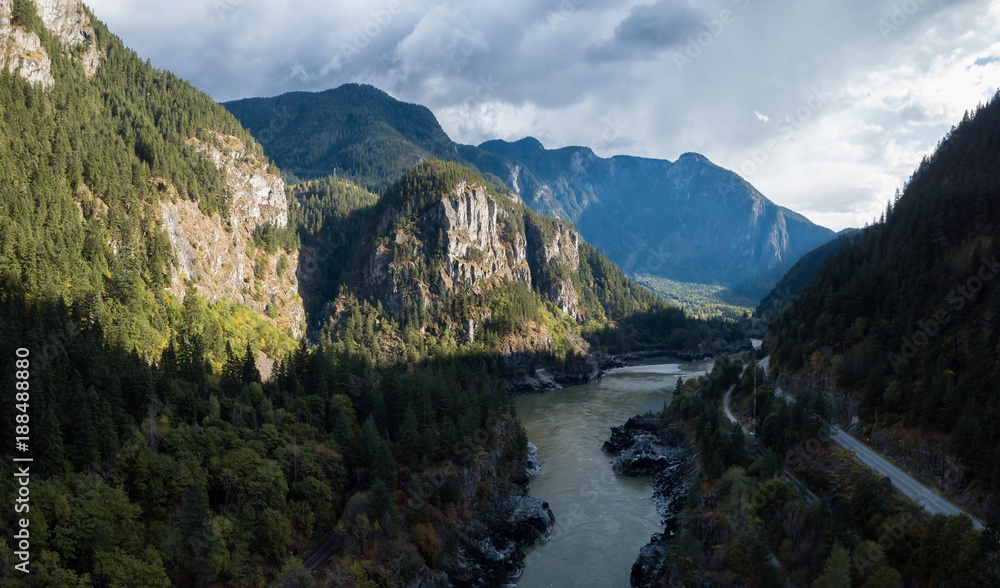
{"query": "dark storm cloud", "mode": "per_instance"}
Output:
(648, 29)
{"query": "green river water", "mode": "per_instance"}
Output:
(601, 519)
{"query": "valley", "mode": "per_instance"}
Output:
(312, 340)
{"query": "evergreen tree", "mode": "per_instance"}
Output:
(409, 436)
(249, 372)
(197, 537)
(836, 570)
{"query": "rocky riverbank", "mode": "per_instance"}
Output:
(590, 368)
(492, 550)
(648, 445)
(581, 370)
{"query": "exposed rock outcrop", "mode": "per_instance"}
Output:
(646, 445)
(218, 257)
(469, 225)
(423, 251)
(69, 22)
(650, 446)
(258, 196)
(21, 51)
(475, 251)
(492, 549)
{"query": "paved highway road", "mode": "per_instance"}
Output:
(729, 415)
(905, 483)
(922, 495)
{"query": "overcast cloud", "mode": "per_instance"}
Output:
(825, 106)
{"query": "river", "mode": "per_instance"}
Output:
(601, 519)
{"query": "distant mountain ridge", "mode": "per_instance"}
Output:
(354, 130)
(724, 231)
(688, 220)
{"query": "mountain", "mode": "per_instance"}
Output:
(687, 221)
(445, 254)
(801, 275)
(354, 131)
(901, 324)
(123, 181)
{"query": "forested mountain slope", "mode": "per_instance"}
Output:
(906, 319)
(355, 131)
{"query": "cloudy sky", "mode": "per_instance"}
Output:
(825, 106)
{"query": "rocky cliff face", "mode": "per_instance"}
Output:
(475, 251)
(218, 258)
(67, 20)
(22, 52)
(562, 248)
(479, 246)
(258, 196)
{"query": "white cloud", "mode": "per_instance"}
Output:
(761, 117)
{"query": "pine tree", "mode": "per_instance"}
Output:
(250, 373)
(837, 569)
(408, 436)
(197, 538)
(232, 373)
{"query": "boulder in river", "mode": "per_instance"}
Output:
(492, 550)
(648, 445)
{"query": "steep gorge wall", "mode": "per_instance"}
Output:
(21, 51)
(218, 258)
(482, 246)
(476, 252)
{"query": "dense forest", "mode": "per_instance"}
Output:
(186, 475)
(907, 317)
(704, 301)
(746, 524)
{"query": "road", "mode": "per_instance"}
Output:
(789, 476)
(905, 483)
(729, 415)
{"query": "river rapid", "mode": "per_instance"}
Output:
(601, 519)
